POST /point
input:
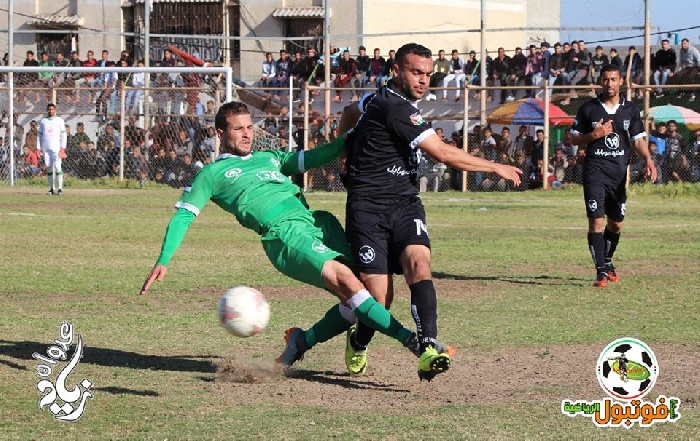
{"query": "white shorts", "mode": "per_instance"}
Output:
(51, 159)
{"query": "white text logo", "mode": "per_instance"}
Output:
(65, 404)
(367, 254)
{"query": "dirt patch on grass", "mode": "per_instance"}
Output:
(507, 375)
(251, 372)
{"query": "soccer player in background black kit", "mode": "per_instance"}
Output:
(385, 219)
(608, 126)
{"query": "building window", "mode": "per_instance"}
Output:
(55, 43)
(196, 20)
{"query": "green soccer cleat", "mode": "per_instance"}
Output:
(355, 360)
(432, 363)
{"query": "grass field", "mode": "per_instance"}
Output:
(515, 298)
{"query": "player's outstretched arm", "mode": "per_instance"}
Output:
(157, 273)
(177, 227)
(640, 145)
(306, 160)
(461, 160)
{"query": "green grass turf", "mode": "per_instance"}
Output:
(516, 265)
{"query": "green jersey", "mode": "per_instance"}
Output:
(255, 188)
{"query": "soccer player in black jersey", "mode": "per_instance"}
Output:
(609, 127)
(385, 219)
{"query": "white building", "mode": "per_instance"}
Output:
(65, 25)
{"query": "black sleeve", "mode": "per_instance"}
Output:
(406, 121)
(636, 125)
(582, 124)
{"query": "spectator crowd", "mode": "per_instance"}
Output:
(182, 138)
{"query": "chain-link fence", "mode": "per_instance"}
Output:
(149, 126)
(477, 95)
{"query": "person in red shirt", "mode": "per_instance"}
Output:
(90, 77)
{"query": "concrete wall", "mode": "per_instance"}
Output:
(257, 20)
(390, 16)
(541, 14)
(103, 23)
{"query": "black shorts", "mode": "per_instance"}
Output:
(604, 197)
(379, 232)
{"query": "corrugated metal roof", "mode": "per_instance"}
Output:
(54, 19)
(312, 12)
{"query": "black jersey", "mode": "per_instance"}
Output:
(610, 155)
(382, 151)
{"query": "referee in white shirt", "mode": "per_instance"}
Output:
(52, 143)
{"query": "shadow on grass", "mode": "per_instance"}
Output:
(23, 350)
(333, 378)
(126, 391)
(517, 280)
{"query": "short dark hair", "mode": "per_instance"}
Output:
(362, 48)
(611, 68)
(672, 121)
(599, 47)
(412, 48)
(230, 108)
(50, 105)
(632, 48)
(665, 40)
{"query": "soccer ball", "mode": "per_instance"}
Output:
(627, 369)
(243, 311)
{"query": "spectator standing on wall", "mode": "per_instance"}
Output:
(362, 69)
(665, 65)
(377, 67)
(534, 68)
(441, 67)
(267, 72)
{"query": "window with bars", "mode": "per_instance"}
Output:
(199, 21)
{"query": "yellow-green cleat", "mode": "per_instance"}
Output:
(355, 361)
(431, 363)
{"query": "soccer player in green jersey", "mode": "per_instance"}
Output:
(306, 245)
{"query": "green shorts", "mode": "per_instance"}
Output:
(299, 246)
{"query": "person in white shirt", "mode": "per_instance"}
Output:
(138, 83)
(456, 74)
(268, 70)
(51, 140)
